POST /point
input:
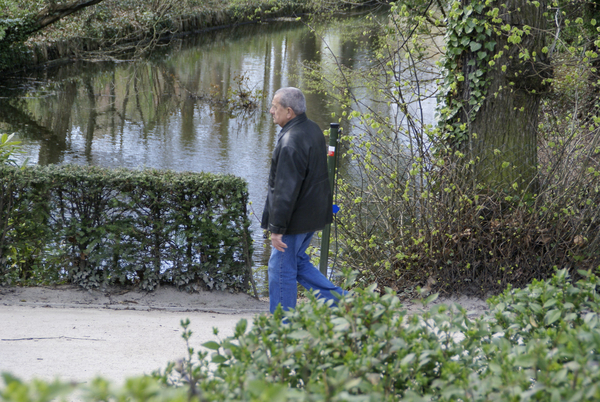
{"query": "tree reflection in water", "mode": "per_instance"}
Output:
(161, 112)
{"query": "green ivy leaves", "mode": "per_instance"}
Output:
(469, 40)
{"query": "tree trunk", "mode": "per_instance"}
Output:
(501, 123)
(591, 106)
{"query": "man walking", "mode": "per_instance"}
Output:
(299, 201)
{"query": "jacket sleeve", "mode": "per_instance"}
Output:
(288, 180)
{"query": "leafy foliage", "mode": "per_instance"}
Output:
(467, 32)
(95, 227)
(539, 343)
(418, 206)
(8, 148)
(114, 28)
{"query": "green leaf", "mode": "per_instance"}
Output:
(490, 45)
(470, 26)
(453, 393)
(589, 317)
(431, 298)
(552, 316)
(299, 334)
(407, 359)
(525, 361)
(212, 345)
(341, 324)
(475, 46)
(219, 359)
(495, 368)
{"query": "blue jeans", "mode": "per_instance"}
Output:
(293, 266)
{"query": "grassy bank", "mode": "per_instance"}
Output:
(116, 29)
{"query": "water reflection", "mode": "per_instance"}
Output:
(158, 114)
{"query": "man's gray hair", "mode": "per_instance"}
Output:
(292, 97)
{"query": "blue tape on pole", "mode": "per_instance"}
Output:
(335, 209)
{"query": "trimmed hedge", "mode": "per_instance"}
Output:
(93, 227)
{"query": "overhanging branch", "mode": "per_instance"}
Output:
(54, 12)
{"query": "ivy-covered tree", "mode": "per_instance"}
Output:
(496, 66)
(500, 186)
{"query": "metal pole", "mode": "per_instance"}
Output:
(331, 166)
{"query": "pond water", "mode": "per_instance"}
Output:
(166, 112)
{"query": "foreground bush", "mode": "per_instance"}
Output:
(539, 343)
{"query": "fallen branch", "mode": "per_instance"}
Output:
(69, 338)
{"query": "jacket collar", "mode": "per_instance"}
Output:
(296, 120)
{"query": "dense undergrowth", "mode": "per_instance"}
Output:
(539, 343)
(418, 206)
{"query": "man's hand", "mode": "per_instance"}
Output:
(277, 242)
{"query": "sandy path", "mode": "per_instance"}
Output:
(76, 335)
(68, 333)
(79, 344)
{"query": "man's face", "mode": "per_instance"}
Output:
(280, 115)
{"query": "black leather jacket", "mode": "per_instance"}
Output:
(299, 196)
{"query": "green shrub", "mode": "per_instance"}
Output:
(539, 343)
(7, 149)
(95, 227)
